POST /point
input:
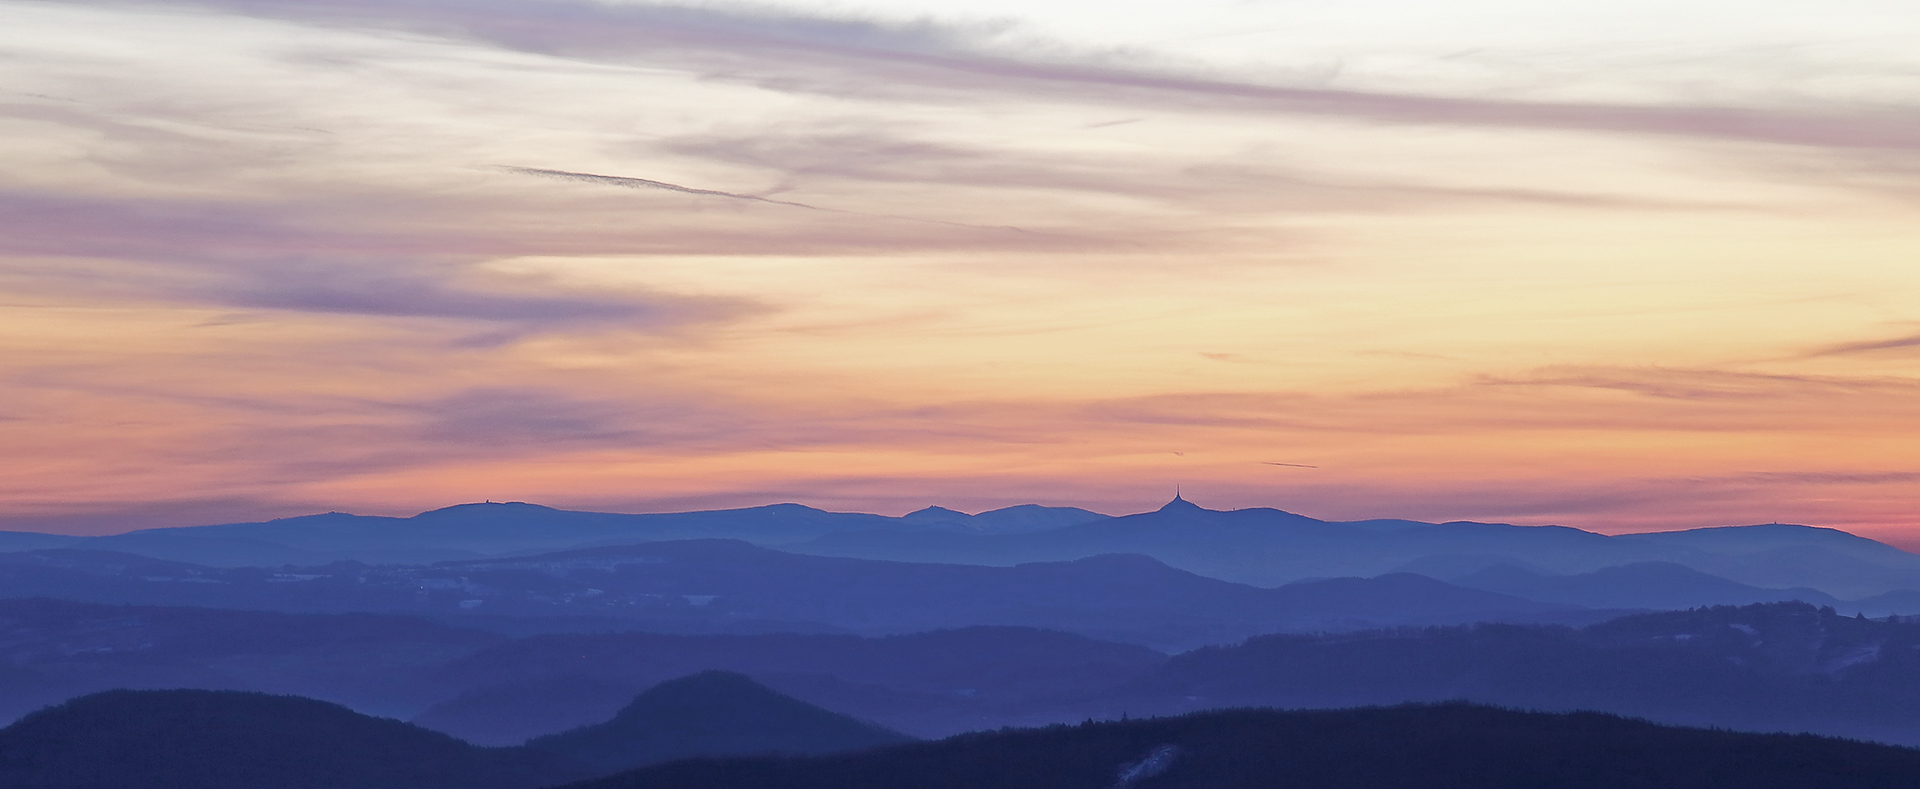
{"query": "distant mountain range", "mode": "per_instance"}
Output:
(728, 586)
(1260, 547)
(1267, 547)
(1032, 615)
(469, 531)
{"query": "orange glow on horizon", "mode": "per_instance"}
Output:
(256, 266)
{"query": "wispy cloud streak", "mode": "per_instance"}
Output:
(273, 257)
(839, 56)
(1870, 346)
(642, 183)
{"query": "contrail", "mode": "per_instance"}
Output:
(642, 183)
(1288, 465)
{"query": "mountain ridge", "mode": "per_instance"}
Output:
(1262, 546)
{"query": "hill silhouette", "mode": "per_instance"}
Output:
(925, 684)
(713, 713)
(199, 739)
(1766, 667)
(493, 690)
(214, 739)
(1450, 746)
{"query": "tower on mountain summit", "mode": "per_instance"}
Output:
(1178, 504)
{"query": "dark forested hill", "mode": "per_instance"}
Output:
(712, 713)
(235, 740)
(1451, 746)
(199, 739)
(926, 684)
(205, 739)
(493, 690)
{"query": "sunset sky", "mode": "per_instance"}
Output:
(1621, 266)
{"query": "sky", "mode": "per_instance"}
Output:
(1626, 267)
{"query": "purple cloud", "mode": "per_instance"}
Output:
(274, 258)
(927, 61)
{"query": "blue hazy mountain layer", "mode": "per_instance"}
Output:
(1267, 547)
(475, 530)
(494, 690)
(55, 649)
(1649, 585)
(728, 586)
(1781, 666)
(33, 541)
(1767, 667)
(1261, 547)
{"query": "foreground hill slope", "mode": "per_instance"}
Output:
(197, 739)
(1452, 746)
(712, 713)
(203, 739)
